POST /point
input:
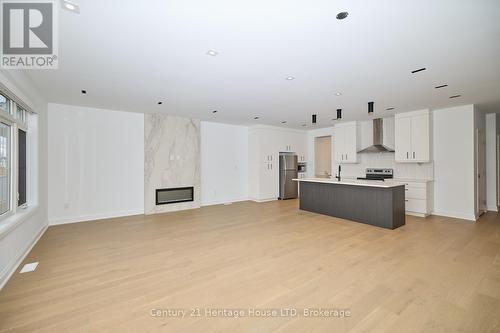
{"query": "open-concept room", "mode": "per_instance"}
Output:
(249, 166)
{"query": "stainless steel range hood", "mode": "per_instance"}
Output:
(378, 145)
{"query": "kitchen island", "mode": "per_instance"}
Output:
(377, 203)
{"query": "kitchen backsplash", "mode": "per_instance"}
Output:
(386, 160)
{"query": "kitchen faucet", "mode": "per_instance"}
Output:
(338, 174)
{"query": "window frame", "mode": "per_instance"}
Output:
(10, 119)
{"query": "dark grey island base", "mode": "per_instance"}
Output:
(379, 205)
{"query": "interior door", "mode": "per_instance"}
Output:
(402, 144)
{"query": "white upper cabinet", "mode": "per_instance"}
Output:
(346, 143)
(412, 137)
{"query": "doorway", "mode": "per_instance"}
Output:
(323, 156)
(481, 171)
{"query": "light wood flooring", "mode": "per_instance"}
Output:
(431, 275)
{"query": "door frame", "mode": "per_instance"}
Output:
(481, 192)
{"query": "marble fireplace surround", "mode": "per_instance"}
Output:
(171, 159)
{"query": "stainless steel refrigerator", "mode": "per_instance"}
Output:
(288, 171)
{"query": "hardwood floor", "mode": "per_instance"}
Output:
(431, 275)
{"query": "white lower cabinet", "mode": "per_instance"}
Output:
(418, 198)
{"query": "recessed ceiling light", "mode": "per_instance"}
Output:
(342, 15)
(418, 70)
(255, 118)
(441, 86)
(290, 78)
(84, 92)
(283, 122)
(212, 53)
(71, 6)
(455, 96)
(389, 109)
(215, 111)
(160, 103)
(338, 94)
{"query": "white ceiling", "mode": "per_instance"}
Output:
(129, 55)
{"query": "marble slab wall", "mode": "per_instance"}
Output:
(171, 159)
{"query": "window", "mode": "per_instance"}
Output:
(5, 163)
(21, 164)
(4, 104)
(20, 113)
(14, 122)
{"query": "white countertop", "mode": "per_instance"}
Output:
(402, 180)
(368, 183)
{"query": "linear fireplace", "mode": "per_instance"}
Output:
(174, 195)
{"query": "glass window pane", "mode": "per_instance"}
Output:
(4, 168)
(4, 103)
(20, 113)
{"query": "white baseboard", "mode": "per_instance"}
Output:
(92, 217)
(456, 215)
(221, 202)
(11, 268)
(492, 209)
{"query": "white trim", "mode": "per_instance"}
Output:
(492, 209)
(222, 202)
(11, 268)
(86, 218)
(456, 215)
(416, 214)
(14, 220)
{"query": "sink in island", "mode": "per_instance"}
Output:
(377, 203)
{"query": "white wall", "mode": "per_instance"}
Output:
(491, 161)
(16, 239)
(96, 163)
(224, 163)
(453, 145)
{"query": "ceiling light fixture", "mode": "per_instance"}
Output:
(283, 122)
(290, 78)
(84, 92)
(342, 15)
(71, 6)
(255, 118)
(212, 53)
(338, 94)
(339, 114)
(441, 86)
(370, 108)
(215, 111)
(160, 103)
(389, 109)
(455, 96)
(418, 70)
(304, 125)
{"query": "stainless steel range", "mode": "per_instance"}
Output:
(378, 174)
